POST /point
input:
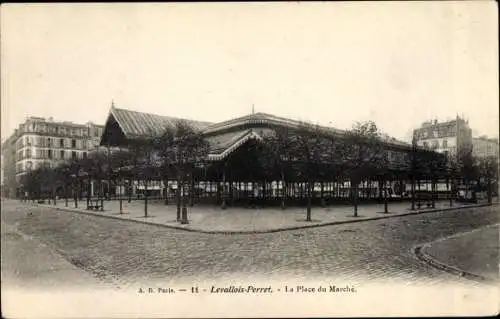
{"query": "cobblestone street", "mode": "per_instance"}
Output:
(128, 253)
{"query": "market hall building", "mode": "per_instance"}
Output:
(233, 171)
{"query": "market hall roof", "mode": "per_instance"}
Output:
(223, 137)
(133, 124)
(260, 118)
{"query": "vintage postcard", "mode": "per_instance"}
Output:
(280, 159)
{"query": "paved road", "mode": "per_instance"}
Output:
(130, 253)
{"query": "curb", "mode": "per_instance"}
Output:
(420, 254)
(267, 231)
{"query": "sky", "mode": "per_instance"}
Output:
(398, 64)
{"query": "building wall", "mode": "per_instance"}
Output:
(39, 141)
(448, 137)
(485, 147)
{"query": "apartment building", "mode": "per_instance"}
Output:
(44, 142)
(483, 146)
(449, 137)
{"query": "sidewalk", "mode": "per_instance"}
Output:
(29, 265)
(473, 254)
(212, 219)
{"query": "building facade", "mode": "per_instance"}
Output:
(450, 137)
(483, 147)
(44, 142)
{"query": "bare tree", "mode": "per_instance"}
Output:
(307, 147)
(469, 168)
(413, 169)
(488, 170)
(190, 148)
(164, 145)
(96, 168)
(119, 166)
(280, 146)
(143, 155)
(363, 153)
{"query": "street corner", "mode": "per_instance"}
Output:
(472, 255)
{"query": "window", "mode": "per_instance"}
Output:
(425, 134)
(436, 134)
(49, 142)
(50, 154)
(29, 165)
(61, 142)
(96, 133)
(57, 129)
(445, 143)
(28, 152)
(84, 154)
(84, 144)
(426, 144)
(61, 154)
(73, 143)
(73, 155)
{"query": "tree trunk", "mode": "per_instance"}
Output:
(419, 203)
(309, 195)
(466, 188)
(354, 188)
(191, 191)
(386, 210)
(262, 199)
(178, 197)
(165, 190)
(80, 189)
(145, 198)
(450, 197)
(323, 204)
(490, 197)
(412, 192)
(184, 219)
(121, 197)
(433, 195)
(75, 196)
(380, 190)
(283, 189)
(223, 190)
(66, 196)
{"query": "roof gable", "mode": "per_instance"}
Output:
(134, 124)
(260, 118)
